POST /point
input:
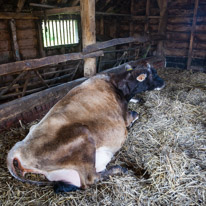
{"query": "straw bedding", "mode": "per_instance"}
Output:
(165, 154)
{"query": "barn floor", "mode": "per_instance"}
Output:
(165, 154)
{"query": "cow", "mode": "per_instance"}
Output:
(73, 143)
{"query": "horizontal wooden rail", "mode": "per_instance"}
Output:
(114, 42)
(20, 66)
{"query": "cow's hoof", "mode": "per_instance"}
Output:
(64, 187)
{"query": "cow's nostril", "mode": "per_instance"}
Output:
(15, 163)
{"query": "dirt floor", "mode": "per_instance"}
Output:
(165, 154)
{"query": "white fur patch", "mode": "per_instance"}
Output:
(103, 157)
(65, 175)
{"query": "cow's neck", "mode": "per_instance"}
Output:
(122, 86)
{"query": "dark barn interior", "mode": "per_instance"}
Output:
(47, 47)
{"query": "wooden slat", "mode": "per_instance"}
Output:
(14, 40)
(162, 24)
(114, 42)
(65, 10)
(12, 15)
(189, 60)
(19, 66)
(147, 14)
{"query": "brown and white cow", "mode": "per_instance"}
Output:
(78, 137)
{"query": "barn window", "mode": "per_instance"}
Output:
(60, 32)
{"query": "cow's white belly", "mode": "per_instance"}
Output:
(103, 157)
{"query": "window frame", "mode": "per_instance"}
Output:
(61, 18)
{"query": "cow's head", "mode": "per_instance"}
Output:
(137, 80)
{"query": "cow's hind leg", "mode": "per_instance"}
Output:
(60, 186)
(115, 170)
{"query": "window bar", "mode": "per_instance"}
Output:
(54, 33)
(63, 32)
(60, 33)
(53, 36)
(68, 33)
(44, 33)
(71, 31)
(57, 34)
(73, 26)
(47, 32)
(76, 32)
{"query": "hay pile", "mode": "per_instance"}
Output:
(165, 154)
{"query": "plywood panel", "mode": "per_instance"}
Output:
(4, 24)
(5, 45)
(28, 53)
(5, 56)
(26, 34)
(27, 43)
(4, 35)
(25, 24)
(178, 36)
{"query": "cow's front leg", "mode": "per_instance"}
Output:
(115, 170)
(132, 117)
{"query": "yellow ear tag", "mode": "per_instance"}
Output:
(141, 77)
(129, 69)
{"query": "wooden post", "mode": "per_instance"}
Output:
(88, 33)
(131, 26)
(146, 26)
(162, 24)
(40, 38)
(14, 38)
(20, 5)
(102, 25)
(189, 60)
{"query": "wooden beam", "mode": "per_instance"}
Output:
(147, 14)
(114, 42)
(20, 5)
(74, 2)
(102, 25)
(13, 15)
(14, 40)
(40, 40)
(131, 26)
(162, 24)
(88, 33)
(36, 105)
(19, 66)
(189, 60)
(42, 5)
(65, 10)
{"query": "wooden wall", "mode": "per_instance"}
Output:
(180, 19)
(27, 40)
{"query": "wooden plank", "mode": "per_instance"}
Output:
(14, 40)
(114, 42)
(51, 12)
(20, 5)
(147, 14)
(19, 66)
(189, 60)
(13, 15)
(88, 33)
(34, 106)
(162, 24)
(42, 5)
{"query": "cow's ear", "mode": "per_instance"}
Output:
(141, 77)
